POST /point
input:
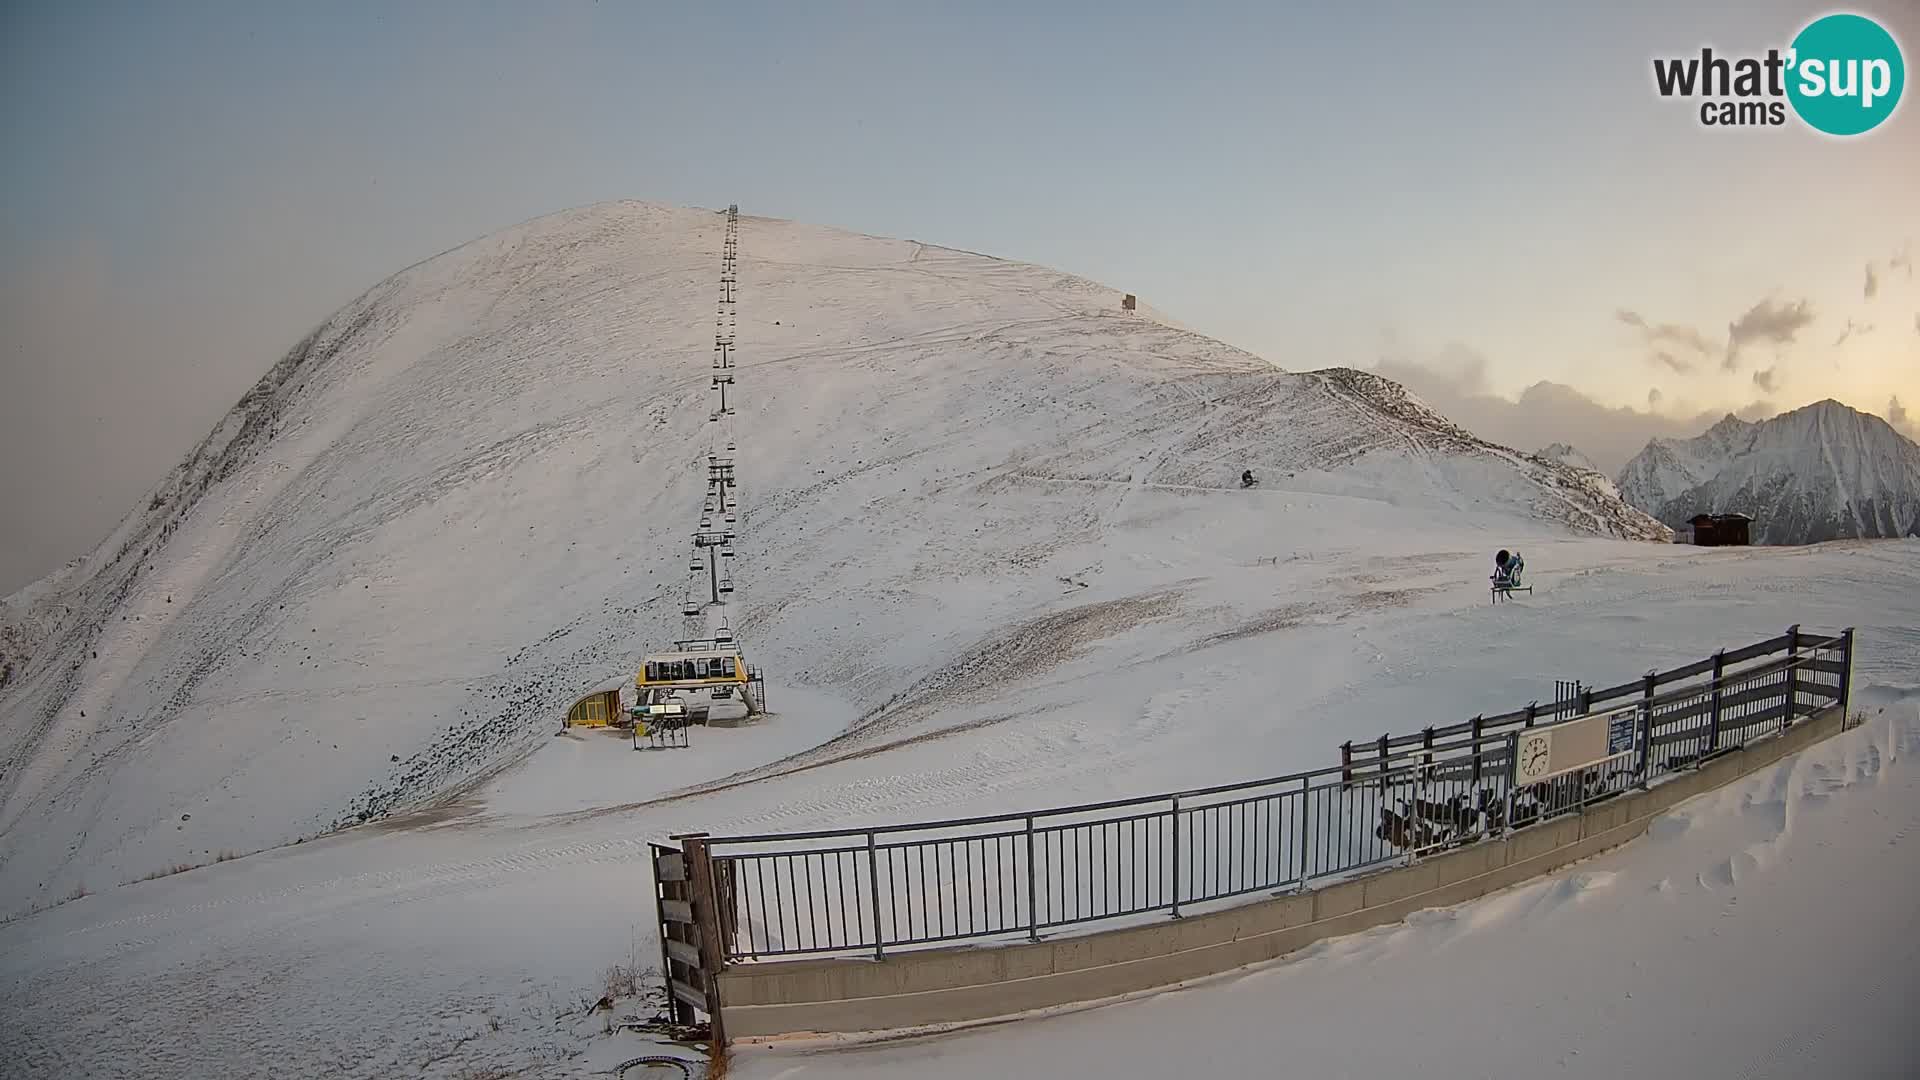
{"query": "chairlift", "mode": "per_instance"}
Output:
(726, 585)
(690, 608)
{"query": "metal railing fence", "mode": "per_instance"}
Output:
(868, 890)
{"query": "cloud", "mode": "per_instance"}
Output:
(1873, 282)
(1902, 261)
(1769, 380)
(1546, 412)
(1770, 322)
(1901, 421)
(1916, 322)
(1657, 334)
(1853, 329)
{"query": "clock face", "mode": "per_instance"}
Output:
(1534, 751)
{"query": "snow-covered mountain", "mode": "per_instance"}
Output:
(1566, 454)
(465, 499)
(1822, 472)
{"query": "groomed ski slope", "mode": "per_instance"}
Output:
(466, 499)
(391, 951)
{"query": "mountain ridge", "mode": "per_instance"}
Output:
(1824, 471)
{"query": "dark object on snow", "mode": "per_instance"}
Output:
(1506, 576)
(1720, 530)
(1246, 478)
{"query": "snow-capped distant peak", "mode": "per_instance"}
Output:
(1566, 454)
(1822, 472)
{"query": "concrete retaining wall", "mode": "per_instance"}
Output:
(948, 985)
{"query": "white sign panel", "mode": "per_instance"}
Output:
(1545, 752)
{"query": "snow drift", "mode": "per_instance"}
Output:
(463, 500)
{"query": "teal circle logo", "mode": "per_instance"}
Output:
(1845, 74)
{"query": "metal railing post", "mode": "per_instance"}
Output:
(873, 880)
(1846, 676)
(1645, 765)
(1793, 675)
(1300, 824)
(1513, 776)
(1713, 716)
(1176, 856)
(1033, 872)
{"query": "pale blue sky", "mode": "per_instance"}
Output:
(188, 187)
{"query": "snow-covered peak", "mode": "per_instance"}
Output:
(1566, 454)
(1820, 472)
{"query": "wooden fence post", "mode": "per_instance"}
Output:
(706, 918)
